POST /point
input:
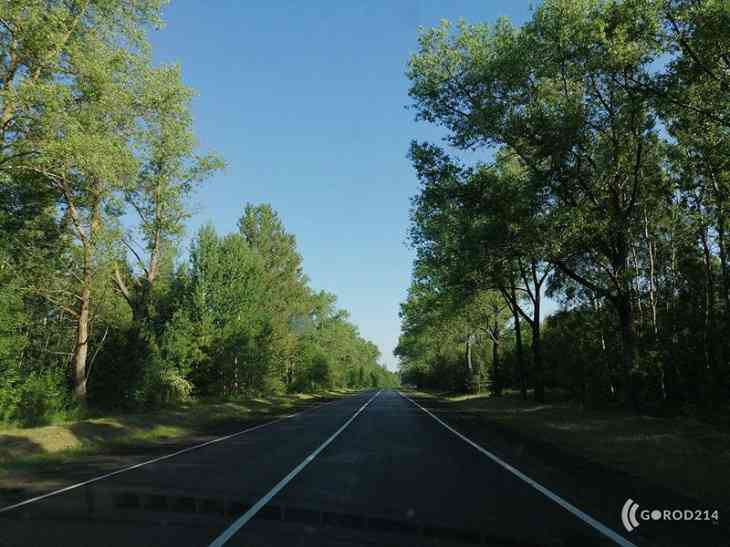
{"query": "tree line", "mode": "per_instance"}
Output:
(98, 161)
(606, 128)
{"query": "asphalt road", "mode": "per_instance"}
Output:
(370, 469)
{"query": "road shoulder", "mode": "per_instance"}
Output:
(594, 487)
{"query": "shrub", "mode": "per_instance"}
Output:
(40, 397)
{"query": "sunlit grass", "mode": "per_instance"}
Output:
(70, 441)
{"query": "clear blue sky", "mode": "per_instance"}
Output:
(306, 102)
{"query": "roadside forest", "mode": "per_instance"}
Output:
(101, 306)
(587, 162)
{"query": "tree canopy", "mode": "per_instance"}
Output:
(606, 190)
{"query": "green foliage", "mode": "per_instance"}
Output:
(608, 128)
(91, 131)
(42, 396)
(13, 318)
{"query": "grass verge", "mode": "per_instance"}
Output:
(27, 449)
(682, 454)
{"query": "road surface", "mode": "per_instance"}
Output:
(370, 469)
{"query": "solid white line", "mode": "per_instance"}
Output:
(243, 519)
(161, 458)
(602, 528)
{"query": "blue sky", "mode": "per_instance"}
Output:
(306, 102)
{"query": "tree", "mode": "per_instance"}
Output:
(445, 332)
(67, 93)
(481, 228)
(169, 174)
(286, 283)
(554, 92)
(86, 161)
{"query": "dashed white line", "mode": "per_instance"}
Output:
(155, 460)
(248, 515)
(596, 525)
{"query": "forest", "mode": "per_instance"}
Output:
(586, 160)
(101, 304)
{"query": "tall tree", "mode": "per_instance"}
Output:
(286, 283)
(67, 93)
(170, 171)
(553, 92)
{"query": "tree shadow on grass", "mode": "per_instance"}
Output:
(97, 433)
(14, 447)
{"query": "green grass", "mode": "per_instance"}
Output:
(51, 445)
(688, 455)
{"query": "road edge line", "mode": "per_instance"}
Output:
(241, 521)
(159, 459)
(595, 524)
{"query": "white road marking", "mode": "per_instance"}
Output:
(161, 458)
(241, 521)
(602, 528)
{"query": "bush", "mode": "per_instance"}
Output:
(163, 385)
(42, 396)
(118, 372)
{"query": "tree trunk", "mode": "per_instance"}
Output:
(81, 350)
(472, 374)
(148, 282)
(651, 247)
(467, 355)
(628, 352)
(711, 376)
(539, 380)
(724, 353)
(518, 346)
(722, 244)
(672, 380)
(467, 352)
(290, 373)
(622, 299)
(496, 365)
